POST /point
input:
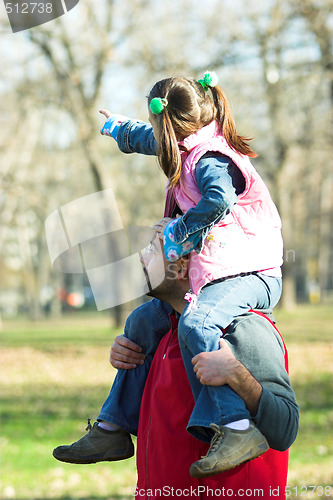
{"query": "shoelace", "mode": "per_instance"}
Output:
(89, 426)
(216, 440)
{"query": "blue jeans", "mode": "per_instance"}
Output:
(200, 329)
(145, 326)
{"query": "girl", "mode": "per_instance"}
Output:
(232, 231)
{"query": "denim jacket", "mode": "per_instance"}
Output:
(218, 180)
(136, 136)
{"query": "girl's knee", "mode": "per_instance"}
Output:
(188, 323)
(184, 326)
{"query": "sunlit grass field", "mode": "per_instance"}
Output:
(55, 375)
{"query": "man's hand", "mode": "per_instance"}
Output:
(216, 367)
(221, 367)
(125, 353)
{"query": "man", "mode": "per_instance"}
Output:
(271, 402)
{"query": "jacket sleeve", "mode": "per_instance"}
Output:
(135, 136)
(216, 185)
(258, 346)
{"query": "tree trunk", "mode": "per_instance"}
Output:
(288, 299)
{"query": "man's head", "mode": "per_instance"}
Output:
(167, 281)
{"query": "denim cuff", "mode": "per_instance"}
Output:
(112, 124)
(180, 231)
(136, 136)
(124, 136)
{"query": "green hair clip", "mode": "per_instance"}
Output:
(210, 79)
(157, 105)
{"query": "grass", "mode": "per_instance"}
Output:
(308, 333)
(54, 375)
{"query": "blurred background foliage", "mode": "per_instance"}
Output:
(274, 60)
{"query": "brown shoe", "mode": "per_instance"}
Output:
(99, 445)
(229, 448)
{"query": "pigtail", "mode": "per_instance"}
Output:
(168, 151)
(227, 126)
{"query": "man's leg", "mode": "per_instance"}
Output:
(145, 326)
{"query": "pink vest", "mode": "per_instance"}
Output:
(249, 238)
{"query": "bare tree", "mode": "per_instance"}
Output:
(319, 21)
(275, 62)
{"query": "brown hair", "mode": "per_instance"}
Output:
(189, 109)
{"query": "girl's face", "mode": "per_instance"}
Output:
(152, 119)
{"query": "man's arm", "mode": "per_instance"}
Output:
(221, 367)
(258, 347)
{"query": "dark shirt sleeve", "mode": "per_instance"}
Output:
(277, 418)
(259, 347)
